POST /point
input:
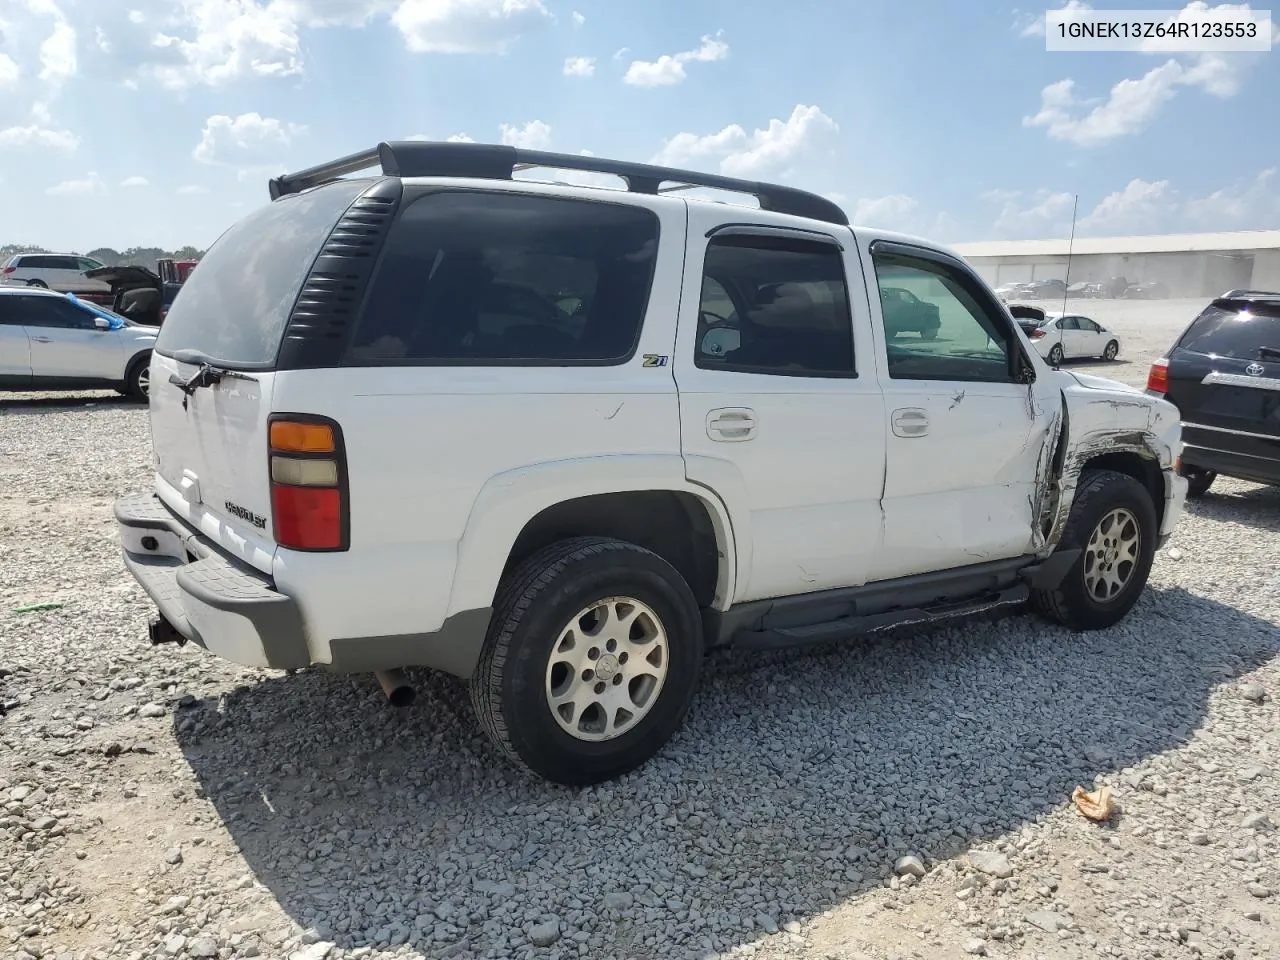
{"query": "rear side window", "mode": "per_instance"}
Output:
(491, 278)
(1235, 329)
(235, 307)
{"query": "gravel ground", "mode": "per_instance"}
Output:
(905, 797)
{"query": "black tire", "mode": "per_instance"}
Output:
(1111, 350)
(929, 333)
(1055, 355)
(1071, 603)
(137, 379)
(38, 283)
(537, 601)
(1198, 481)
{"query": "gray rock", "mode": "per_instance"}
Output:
(175, 905)
(174, 856)
(619, 901)
(909, 866)
(1253, 692)
(203, 946)
(992, 864)
(545, 934)
(173, 945)
(766, 923)
(1047, 920)
(976, 947)
(792, 927)
(1259, 891)
(151, 710)
(45, 823)
(313, 951)
(1256, 821)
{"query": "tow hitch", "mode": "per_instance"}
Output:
(160, 630)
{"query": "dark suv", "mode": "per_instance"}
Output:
(1223, 375)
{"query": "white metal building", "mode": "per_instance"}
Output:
(1190, 264)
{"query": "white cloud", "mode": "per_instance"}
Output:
(38, 136)
(230, 40)
(903, 214)
(103, 41)
(668, 69)
(250, 137)
(90, 184)
(134, 182)
(1240, 206)
(1032, 25)
(768, 152)
(336, 13)
(192, 190)
(137, 17)
(58, 53)
(534, 135)
(1141, 207)
(452, 138)
(9, 71)
(621, 53)
(579, 66)
(1041, 214)
(578, 19)
(467, 26)
(1133, 103)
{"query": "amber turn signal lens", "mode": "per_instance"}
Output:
(291, 437)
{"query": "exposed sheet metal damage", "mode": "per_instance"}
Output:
(1097, 417)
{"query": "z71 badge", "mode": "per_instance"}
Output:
(655, 360)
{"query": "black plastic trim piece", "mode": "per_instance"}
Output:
(339, 455)
(327, 307)
(893, 601)
(486, 161)
(770, 230)
(454, 648)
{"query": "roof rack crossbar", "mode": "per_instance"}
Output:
(424, 158)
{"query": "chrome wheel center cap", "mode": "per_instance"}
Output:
(607, 666)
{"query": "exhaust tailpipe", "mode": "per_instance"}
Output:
(396, 686)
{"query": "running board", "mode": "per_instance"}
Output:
(846, 628)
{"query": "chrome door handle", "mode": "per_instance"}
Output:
(731, 424)
(43, 339)
(910, 422)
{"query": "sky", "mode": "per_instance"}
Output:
(158, 122)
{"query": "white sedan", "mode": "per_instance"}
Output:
(53, 341)
(1059, 336)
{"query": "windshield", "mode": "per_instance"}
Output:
(1236, 329)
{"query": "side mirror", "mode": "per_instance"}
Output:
(102, 323)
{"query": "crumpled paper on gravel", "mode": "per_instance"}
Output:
(1098, 805)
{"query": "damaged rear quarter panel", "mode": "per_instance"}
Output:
(1102, 417)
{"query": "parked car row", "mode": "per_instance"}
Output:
(1116, 288)
(131, 290)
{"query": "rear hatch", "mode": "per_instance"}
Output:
(1224, 372)
(210, 433)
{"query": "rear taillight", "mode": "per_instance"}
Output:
(1158, 377)
(1037, 334)
(8, 270)
(309, 500)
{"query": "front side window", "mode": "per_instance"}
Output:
(972, 340)
(774, 305)
(1069, 323)
(503, 279)
(54, 312)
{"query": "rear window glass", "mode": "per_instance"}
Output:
(489, 278)
(235, 307)
(1235, 330)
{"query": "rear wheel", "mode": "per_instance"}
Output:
(591, 660)
(1113, 523)
(38, 283)
(1198, 481)
(1112, 351)
(137, 381)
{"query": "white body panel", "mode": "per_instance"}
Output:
(67, 344)
(32, 270)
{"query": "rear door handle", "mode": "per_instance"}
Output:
(731, 424)
(910, 422)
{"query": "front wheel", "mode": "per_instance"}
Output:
(1114, 525)
(591, 661)
(1112, 351)
(137, 381)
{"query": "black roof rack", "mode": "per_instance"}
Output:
(423, 158)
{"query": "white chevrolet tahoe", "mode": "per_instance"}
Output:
(559, 440)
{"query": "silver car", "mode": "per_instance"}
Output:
(57, 271)
(53, 341)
